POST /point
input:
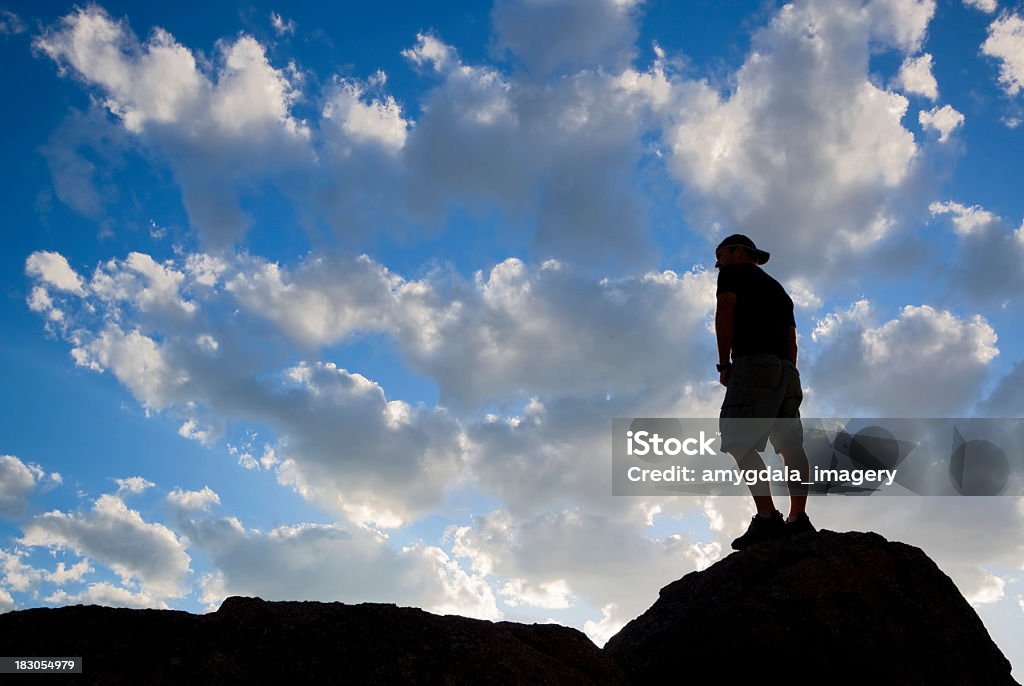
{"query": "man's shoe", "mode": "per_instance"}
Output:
(800, 525)
(761, 529)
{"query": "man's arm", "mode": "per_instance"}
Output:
(791, 345)
(723, 330)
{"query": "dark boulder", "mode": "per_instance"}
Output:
(816, 608)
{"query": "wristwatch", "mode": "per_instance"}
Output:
(727, 367)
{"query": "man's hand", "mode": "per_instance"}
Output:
(723, 377)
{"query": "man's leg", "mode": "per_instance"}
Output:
(788, 440)
(760, 490)
(767, 523)
(796, 459)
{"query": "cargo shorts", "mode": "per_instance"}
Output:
(762, 403)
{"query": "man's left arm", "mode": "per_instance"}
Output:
(791, 344)
(724, 312)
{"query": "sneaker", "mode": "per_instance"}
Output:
(800, 525)
(761, 529)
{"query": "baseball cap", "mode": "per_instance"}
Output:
(760, 256)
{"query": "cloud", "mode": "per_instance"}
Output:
(189, 430)
(334, 563)
(563, 155)
(6, 601)
(133, 485)
(118, 537)
(346, 446)
(145, 84)
(431, 51)
(24, 578)
(600, 631)
(219, 131)
(1005, 42)
(10, 23)
(865, 368)
(350, 449)
(193, 500)
(63, 574)
(321, 302)
(53, 269)
(39, 301)
(564, 554)
(560, 156)
(149, 286)
(282, 27)
(915, 76)
(490, 339)
(72, 152)
(350, 119)
(804, 149)
(942, 119)
(558, 36)
(18, 481)
(987, 6)
(19, 576)
(966, 220)
(986, 262)
(137, 361)
(395, 460)
(987, 588)
(553, 594)
(108, 595)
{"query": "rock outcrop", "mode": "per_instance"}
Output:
(821, 608)
(251, 641)
(817, 608)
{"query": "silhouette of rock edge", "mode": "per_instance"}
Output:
(821, 607)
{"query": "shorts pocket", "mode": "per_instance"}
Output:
(758, 374)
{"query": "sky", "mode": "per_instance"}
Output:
(338, 303)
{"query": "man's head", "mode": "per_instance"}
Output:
(738, 249)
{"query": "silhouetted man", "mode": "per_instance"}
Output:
(755, 327)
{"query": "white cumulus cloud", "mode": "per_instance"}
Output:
(1005, 42)
(334, 563)
(943, 119)
(17, 482)
(109, 595)
(212, 124)
(117, 536)
(987, 6)
(915, 76)
(889, 368)
(53, 269)
(194, 500)
(804, 149)
(133, 485)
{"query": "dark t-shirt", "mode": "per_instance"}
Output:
(764, 311)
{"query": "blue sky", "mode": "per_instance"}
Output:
(338, 304)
